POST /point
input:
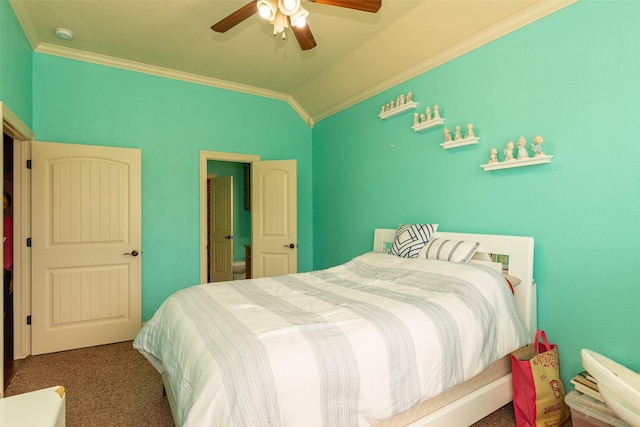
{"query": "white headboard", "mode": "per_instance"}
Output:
(519, 249)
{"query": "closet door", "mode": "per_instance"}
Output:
(86, 246)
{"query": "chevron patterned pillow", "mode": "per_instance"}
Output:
(410, 238)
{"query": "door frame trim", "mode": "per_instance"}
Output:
(205, 156)
(19, 132)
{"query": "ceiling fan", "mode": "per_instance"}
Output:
(289, 13)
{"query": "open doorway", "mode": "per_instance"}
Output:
(205, 158)
(228, 220)
(8, 312)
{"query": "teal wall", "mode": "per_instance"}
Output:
(571, 77)
(15, 65)
(241, 217)
(170, 121)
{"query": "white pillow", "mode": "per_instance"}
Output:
(410, 238)
(449, 250)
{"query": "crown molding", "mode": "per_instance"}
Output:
(517, 21)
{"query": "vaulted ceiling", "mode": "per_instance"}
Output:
(358, 54)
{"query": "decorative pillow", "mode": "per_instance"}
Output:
(410, 238)
(449, 250)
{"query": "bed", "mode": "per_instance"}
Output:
(346, 346)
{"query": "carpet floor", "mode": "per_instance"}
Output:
(114, 385)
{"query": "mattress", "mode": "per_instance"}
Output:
(351, 345)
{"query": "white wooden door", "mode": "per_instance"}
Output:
(274, 221)
(86, 246)
(221, 228)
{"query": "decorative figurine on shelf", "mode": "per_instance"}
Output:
(458, 134)
(493, 155)
(470, 133)
(447, 135)
(388, 107)
(436, 111)
(522, 148)
(392, 104)
(536, 146)
(415, 119)
(409, 96)
(508, 151)
(382, 110)
(423, 118)
(402, 99)
(428, 113)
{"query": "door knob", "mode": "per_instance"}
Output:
(290, 245)
(228, 237)
(132, 253)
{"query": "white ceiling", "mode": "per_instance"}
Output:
(358, 54)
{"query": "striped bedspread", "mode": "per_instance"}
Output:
(346, 346)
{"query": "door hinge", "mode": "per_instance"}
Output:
(28, 242)
(28, 164)
(28, 319)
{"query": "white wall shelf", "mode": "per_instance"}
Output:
(397, 110)
(428, 124)
(460, 142)
(530, 161)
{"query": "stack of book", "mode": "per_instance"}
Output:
(585, 383)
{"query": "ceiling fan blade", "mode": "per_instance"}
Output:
(235, 18)
(364, 5)
(304, 36)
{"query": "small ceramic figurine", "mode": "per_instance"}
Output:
(522, 148)
(447, 135)
(415, 119)
(428, 113)
(436, 111)
(402, 99)
(493, 155)
(392, 104)
(536, 146)
(388, 107)
(382, 110)
(409, 96)
(508, 151)
(458, 134)
(423, 118)
(470, 133)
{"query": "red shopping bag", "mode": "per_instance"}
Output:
(538, 390)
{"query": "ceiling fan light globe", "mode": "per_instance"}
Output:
(289, 7)
(299, 19)
(267, 9)
(300, 22)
